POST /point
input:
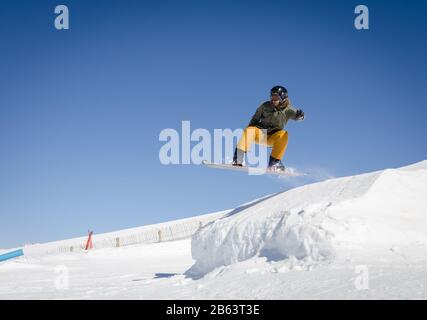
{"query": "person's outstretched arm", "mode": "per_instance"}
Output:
(295, 114)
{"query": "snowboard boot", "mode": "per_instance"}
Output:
(275, 165)
(238, 157)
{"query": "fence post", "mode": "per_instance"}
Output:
(160, 235)
(117, 242)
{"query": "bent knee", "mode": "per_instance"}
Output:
(282, 133)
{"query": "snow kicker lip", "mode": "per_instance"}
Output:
(307, 222)
(280, 236)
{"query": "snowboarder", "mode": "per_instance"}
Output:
(270, 117)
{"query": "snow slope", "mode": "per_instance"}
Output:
(384, 208)
(110, 273)
(166, 231)
(360, 237)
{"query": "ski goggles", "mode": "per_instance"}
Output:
(276, 97)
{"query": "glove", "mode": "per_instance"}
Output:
(299, 114)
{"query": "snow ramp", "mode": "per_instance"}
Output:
(308, 223)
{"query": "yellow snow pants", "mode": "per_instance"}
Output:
(278, 141)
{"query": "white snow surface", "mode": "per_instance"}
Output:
(359, 237)
(308, 223)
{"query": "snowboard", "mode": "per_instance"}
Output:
(253, 170)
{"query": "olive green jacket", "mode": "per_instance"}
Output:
(273, 119)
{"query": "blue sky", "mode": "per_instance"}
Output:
(81, 110)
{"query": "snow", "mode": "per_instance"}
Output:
(98, 274)
(166, 231)
(359, 237)
(308, 223)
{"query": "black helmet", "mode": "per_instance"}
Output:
(280, 91)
